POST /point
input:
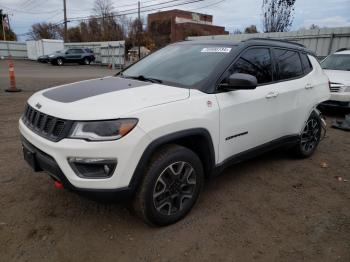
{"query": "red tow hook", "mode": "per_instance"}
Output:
(58, 185)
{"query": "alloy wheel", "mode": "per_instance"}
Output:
(310, 135)
(174, 188)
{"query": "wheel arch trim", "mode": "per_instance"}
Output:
(167, 139)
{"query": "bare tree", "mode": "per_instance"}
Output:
(103, 8)
(251, 30)
(45, 31)
(278, 15)
(313, 27)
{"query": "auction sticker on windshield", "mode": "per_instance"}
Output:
(216, 50)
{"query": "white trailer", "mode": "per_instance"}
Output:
(36, 48)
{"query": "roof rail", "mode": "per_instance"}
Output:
(343, 49)
(277, 40)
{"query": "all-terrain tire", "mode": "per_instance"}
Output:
(174, 176)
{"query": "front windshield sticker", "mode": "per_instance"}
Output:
(216, 50)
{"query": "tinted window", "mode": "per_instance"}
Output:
(306, 63)
(77, 51)
(256, 62)
(288, 64)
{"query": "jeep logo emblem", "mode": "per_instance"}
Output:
(38, 106)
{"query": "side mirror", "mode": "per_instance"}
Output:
(239, 81)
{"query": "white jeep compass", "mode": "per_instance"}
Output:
(155, 131)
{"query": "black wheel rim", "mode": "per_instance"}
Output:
(174, 188)
(310, 135)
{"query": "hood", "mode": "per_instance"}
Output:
(104, 98)
(338, 76)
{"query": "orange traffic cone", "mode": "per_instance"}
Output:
(12, 78)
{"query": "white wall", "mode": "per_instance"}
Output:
(17, 50)
(43, 47)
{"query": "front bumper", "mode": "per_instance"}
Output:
(341, 96)
(53, 158)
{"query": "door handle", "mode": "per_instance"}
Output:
(272, 95)
(308, 86)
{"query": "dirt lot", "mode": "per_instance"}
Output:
(272, 208)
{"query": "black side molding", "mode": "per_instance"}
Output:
(256, 151)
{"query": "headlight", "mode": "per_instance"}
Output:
(51, 56)
(102, 130)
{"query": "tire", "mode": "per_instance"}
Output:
(86, 61)
(59, 61)
(171, 186)
(310, 137)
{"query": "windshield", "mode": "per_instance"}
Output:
(183, 65)
(337, 62)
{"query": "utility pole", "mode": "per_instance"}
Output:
(65, 20)
(139, 28)
(3, 25)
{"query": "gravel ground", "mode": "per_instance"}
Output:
(271, 208)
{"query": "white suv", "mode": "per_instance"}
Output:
(337, 68)
(155, 131)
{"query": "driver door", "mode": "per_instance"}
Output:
(248, 117)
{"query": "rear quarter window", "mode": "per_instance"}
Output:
(288, 64)
(307, 66)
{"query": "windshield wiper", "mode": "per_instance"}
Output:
(144, 78)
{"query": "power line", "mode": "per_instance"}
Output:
(128, 12)
(213, 4)
(131, 13)
(26, 12)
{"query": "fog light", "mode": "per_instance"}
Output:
(93, 167)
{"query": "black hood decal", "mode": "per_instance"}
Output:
(77, 91)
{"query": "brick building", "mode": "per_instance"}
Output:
(175, 25)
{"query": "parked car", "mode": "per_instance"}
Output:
(82, 56)
(43, 59)
(174, 118)
(337, 68)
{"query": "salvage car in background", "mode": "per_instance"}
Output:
(83, 56)
(43, 59)
(337, 68)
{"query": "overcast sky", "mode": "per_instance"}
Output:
(233, 14)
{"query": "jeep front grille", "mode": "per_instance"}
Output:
(47, 126)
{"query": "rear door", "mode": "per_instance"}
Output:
(74, 54)
(292, 83)
(248, 117)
